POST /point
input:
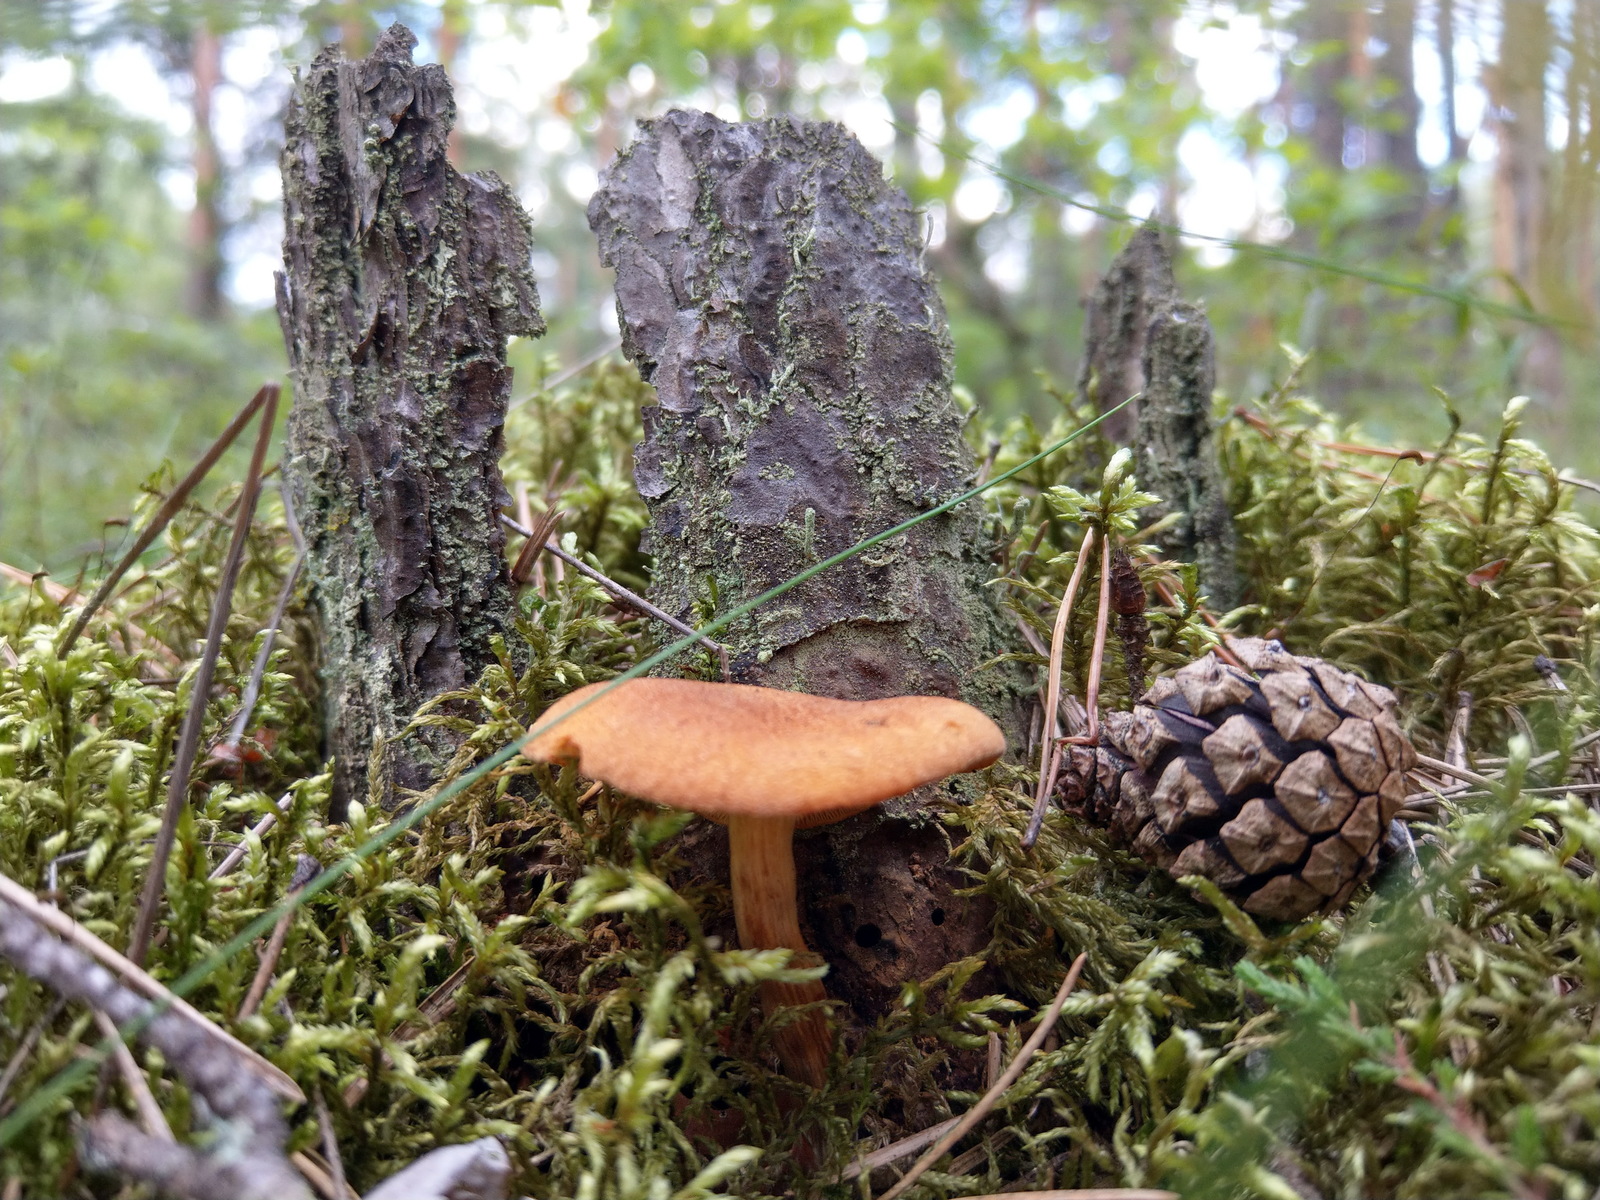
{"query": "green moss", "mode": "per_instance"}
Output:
(591, 1022)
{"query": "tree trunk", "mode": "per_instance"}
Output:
(1522, 185)
(1140, 337)
(770, 284)
(404, 280)
(204, 290)
(1398, 113)
(447, 42)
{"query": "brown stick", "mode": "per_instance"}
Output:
(330, 1147)
(1097, 661)
(236, 856)
(194, 720)
(1444, 768)
(150, 1114)
(258, 670)
(136, 979)
(992, 1097)
(439, 1004)
(56, 592)
(268, 395)
(306, 869)
(895, 1151)
(631, 598)
(542, 527)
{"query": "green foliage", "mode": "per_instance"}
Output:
(1440, 575)
(92, 354)
(532, 962)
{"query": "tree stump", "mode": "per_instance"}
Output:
(770, 285)
(1142, 337)
(403, 281)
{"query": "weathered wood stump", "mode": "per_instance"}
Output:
(1141, 336)
(770, 285)
(403, 281)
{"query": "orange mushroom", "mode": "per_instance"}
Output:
(763, 762)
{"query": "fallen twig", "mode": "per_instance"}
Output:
(542, 527)
(1097, 659)
(306, 869)
(330, 1147)
(236, 856)
(150, 1114)
(136, 979)
(439, 1004)
(189, 737)
(992, 1097)
(258, 670)
(57, 593)
(631, 598)
(1455, 772)
(883, 1156)
(1524, 1185)
(254, 1169)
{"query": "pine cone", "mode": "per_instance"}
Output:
(1277, 787)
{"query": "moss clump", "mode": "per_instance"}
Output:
(534, 961)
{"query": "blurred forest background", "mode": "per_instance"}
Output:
(1405, 189)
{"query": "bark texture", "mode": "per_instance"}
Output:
(1143, 338)
(403, 281)
(770, 285)
(1116, 319)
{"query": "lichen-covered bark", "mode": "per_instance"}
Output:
(1116, 318)
(403, 281)
(1178, 452)
(1142, 338)
(770, 285)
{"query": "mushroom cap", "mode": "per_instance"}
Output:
(728, 749)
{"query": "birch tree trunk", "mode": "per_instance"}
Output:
(403, 281)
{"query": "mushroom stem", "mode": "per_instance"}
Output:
(761, 854)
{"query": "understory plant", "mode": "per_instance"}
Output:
(531, 962)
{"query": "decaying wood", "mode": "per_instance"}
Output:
(403, 281)
(479, 1170)
(770, 285)
(1143, 338)
(138, 981)
(1117, 317)
(253, 1167)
